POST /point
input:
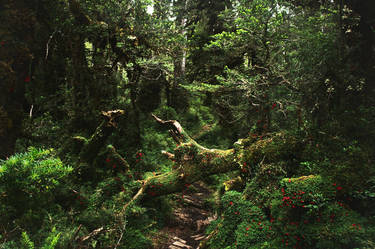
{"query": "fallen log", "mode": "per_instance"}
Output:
(193, 162)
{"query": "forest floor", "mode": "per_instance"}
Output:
(189, 219)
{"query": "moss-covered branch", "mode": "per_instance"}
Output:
(193, 162)
(117, 158)
(92, 146)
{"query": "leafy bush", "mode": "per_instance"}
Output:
(309, 214)
(304, 212)
(242, 225)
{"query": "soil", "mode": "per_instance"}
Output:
(190, 217)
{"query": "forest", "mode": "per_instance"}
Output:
(198, 124)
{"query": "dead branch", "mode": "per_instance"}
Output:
(92, 234)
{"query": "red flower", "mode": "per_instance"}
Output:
(247, 228)
(334, 184)
(107, 160)
(231, 203)
(274, 105)
(27, 79)
(339, 188)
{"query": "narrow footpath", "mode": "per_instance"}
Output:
(190, 218)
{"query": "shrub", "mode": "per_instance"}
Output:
(309, 214)
(27, 184)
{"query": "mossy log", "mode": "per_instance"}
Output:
(193, 162)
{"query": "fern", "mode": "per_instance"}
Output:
(26, 243)
(52, 239)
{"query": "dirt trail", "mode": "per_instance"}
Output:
(190, 218)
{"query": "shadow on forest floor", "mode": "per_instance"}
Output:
(189, 219)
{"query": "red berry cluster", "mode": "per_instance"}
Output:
(294, 200)
(110, 163)
(138, 157)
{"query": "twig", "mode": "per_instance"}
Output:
(92, 234)
(169, 155)
(31, 111)
(47, 45)
(122, 232)
(76, 232)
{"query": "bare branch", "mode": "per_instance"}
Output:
(169, 155)
(92, 234)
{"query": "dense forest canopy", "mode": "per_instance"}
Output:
(112, 110)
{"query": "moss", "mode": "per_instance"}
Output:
(234, 184)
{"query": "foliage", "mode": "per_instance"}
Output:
(306, 212)
(28, 180)
(290, 81)
(49, 243)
